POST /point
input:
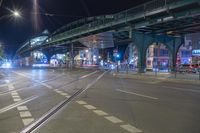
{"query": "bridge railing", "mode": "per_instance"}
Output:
(116, 18)
(74, 24)
(145, 8)
(87, 25)
(141, 9)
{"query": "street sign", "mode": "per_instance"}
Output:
(196, 52)
(115, 51)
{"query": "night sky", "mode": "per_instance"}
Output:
(13, 32)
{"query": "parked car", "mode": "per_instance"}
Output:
(192, 68)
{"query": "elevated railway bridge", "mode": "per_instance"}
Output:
(158, 21)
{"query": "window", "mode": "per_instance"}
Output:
(163, 52)
(185, 53)
(155, 52)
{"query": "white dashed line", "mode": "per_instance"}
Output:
(46, 85)
(182, 89)
(16, 96)
(67, 96)
(25, 114)
(27, 121)
(17, 99)
(22, 108)
(11, 87)
(90, 107)
(58, 91)
(81, 102)
(16, 104)
(4, 85)
(131, 128)
(100, 112)
(113, 119)
(137, 94)
(64, 94)
(14, 93)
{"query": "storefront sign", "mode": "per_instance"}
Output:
(196, 52)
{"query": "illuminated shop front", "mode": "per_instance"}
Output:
(89, 56)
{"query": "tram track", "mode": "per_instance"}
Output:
(58, 108)
(48, 86)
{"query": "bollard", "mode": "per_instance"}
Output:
(175, 72)
(127, 67)
(156, 72)
(199, 73)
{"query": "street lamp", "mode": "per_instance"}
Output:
(16, 14)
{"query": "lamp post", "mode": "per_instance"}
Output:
(16, 14)
(13, 13)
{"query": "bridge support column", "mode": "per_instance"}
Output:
(48, 55)
(142, 41)
(174, 46)
(48, 59)
(72, 56)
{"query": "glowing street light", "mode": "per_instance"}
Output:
(13, 13)
(16, 14)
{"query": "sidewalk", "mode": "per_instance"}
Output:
(190, 78)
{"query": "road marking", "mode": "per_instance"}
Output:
(81, 102)
(13, 90)
(27, 121)
(16, 96)
(84, 76)
(17, 99)
(14, 93)
(137, 94)
(48, 80)
(182, 89)
(25, 114)
(59, 91)
(100, 112)
(3, 85)
(14, 105)
(11, 87)
(89, 107)
(131, 128)
(113, 119)
(64, 94)
(22, 108)
(67, 96)
(44, 84)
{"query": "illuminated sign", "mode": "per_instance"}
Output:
(196, 52)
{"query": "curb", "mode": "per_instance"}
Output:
(125, 76)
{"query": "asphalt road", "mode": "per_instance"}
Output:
(95, 101)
